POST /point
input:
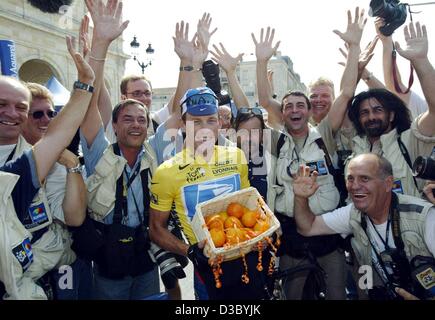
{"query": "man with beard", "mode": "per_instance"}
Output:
(383, 122)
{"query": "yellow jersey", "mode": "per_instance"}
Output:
(184, 181)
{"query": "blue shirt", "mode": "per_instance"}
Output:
(92, 156)
(27, 185)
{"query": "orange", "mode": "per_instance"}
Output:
(233, 222)
(249, 219)
(218, 237)
(215, 221)
(235, 235)
(224, 215)
(261, 226)
(235, 209)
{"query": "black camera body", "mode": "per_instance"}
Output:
(392, 11)
(210, 71)
(424, 168)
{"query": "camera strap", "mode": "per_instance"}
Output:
(121, 206)
(396, 81)
(405, 154)
(404, 268)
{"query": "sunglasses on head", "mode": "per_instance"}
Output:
(39, 114)
(256, 111)
(200, 99)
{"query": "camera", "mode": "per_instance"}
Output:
(170, 264)
(170, 269)
(424, 168)
(210, 71)
(392, 11)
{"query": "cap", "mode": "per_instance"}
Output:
(199, 102)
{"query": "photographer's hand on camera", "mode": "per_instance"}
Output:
(429, 191)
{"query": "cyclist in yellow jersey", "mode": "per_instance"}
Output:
(201, 171)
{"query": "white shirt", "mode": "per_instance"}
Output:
(338, 220)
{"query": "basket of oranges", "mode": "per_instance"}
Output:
(233, 224)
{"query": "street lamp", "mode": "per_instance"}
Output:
(135, 53)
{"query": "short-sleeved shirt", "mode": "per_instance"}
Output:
(27, 185)
(93, 154)
(186, 181)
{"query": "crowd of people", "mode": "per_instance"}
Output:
(108, 193)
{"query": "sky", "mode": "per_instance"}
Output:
(304, 28)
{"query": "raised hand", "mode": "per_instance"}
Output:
(429, 190)
(84, 38)
(264, 49)
(416, 43)
(84, 70)
(107, 19)
(304, 184)
(224, 59)
(354, 29)
(365, 56)
(203, 30)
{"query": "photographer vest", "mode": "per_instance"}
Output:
(102, 184)
(413, 212)
(15, 247)
(393, 147)
(39, 213)
(288, 161)
(51, 241)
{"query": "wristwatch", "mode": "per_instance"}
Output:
(83, 86)
(76, 169)
(189, 68)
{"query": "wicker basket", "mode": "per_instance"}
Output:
(248, 197)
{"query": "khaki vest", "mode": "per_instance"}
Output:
(41, 197)
(326, 197)
(102, 184)
(390, 150)
(413, 212)
(53, 249)
(13, 246)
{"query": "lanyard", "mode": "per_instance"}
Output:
(126, 187)
(387, 232)
(296, 152)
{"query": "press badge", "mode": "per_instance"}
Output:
(23, 253)
(397, 186)
(318, 166)
(38, 214)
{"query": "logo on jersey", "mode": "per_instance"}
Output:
(203, 191)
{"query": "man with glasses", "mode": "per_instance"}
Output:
(31, 244)
(65, 192)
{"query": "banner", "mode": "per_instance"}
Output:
(8, 58)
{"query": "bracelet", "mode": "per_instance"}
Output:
(76, 169)
(97, 59)
(189, 68)
(83, 86)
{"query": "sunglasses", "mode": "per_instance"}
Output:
(39, 114)
(200, 99)
(256, 111)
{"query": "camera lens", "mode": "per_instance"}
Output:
(424, 168)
